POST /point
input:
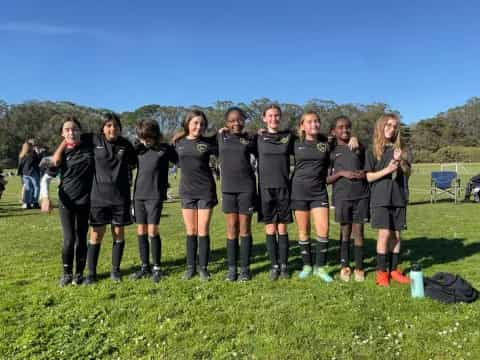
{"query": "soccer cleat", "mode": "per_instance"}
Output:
(245, 274)
(322, 274)
(78, 279)
(232, 273)
(66, 280)
(116, 275)
(400, 277)
(189, 273)
(143, 273)
(204, 274)
(284, 274)
(345, 273)
(383, 278)
(156, 275)
(90, 279)
(306, 272)
(359, 275)
(274, 273)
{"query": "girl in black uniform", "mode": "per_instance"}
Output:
(76, 175)
(236, 149)
(351, 196)
(150, 191)
(114, 158)
(197, 189)
(387, 168)
(309, 193)
(274, 150)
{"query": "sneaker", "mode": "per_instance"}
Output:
(274, 273)
(345, 273)
(400, 277)
(306, 272)
(25, 206)
(66, 280)
(77, 279)
(35, 206)
(143, 273)
(284, 274)
(232, 273)
(190, 273)
(359, 275)
(383, 278)
(322, 274)
(245, 274)
(204, 274)
(156, 275)
(90, 279)
(116, 275)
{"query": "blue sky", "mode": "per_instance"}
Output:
(420, 57)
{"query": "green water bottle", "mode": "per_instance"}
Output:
(416, 281)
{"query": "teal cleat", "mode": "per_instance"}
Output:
(323, 274)
(306, 272)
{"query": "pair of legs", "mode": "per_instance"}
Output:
(388, 245)
(96, 238)
(75, 228)
(321, 218)
(149, 240)
(31, 190)
(197, 226)
(239, 227)
(278, 247)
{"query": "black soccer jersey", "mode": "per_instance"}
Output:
(152, 172)
(312, 159)
(197, 178)
(274, 150)
(76, 174)
(344, 159)
(389, 190)
(235, 153)
(114, 162)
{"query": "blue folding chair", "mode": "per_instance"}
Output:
(445, 183)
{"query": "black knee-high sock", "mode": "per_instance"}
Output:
(92, 257)
(394, 259)
(358, 251)
(203, 250)
(381, 262)
(321, 249)
(272, 248)
(156, 248)
(345, 253)
(117, 253)
(143, 248)
(245, 250)
(192, 243)
(306, 251)
(283, 247)
(232, 252)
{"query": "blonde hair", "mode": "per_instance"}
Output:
(379, 140)
(26, 149)
(300, 132)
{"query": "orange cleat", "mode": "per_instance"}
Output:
(400, 277)
(383, 278)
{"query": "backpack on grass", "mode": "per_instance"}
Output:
(449, 288)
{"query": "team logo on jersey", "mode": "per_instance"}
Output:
(243, 141)
(201, 148)
(322, 147)
(285, 139)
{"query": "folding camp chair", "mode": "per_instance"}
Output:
(445, 183)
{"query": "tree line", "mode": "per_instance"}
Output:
(449, 136)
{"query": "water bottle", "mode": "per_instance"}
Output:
(416, 281)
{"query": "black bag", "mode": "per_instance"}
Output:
(449, 288)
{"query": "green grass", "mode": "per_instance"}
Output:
(259, 319)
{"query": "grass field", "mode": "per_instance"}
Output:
(259, 319)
